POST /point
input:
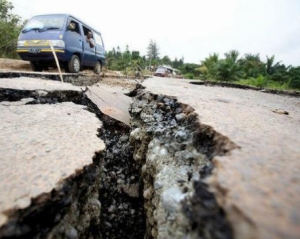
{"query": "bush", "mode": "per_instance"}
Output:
(294, 74)
(260, 81)
(189, 76)
(9, 30)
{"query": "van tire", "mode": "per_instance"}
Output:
(74, 64)
(97, 68)
(35, 66)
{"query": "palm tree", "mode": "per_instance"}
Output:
(294, 77)
(229, 68)
(208, 66)
(270, 66)
(232, 55)
(252, 65)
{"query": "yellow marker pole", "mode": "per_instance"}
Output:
(56, 60)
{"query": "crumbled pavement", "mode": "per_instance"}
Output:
(256, 184)
(49, 165)
(42, 144)
(214, 162)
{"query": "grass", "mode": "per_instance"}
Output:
(264, 84)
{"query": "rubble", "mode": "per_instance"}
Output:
(184, 162)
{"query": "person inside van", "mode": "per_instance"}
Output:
(72, 26)
(90, 40)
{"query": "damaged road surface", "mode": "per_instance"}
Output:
(56, 149)
(174, 160)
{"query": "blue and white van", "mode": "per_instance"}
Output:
(68, 37)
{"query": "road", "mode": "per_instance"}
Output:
(257, 184)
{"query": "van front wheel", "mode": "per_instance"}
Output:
(97, 68)
(74, 64)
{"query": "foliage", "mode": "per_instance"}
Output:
(228, 69)
(153, 50)
(271, 66)
(189, 76)
(260, 81)
(189, 68)
(166, 60)
(249, 69)
(252, 66)
(208, 66)
(294, 77)
(10, 26)
(178, 63)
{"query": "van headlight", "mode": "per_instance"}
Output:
(21, 43)
(57, 43)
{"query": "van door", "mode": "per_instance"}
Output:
(100, 51)
(73, 38)
(89, 56)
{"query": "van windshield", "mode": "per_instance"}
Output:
(44, 23)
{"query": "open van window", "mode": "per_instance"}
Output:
(73, 26)
(86, 31)
(89, 36)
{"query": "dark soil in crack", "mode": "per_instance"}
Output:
(121, 196)
(111, 185)
(161, 121)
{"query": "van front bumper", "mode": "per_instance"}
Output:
(45, 54)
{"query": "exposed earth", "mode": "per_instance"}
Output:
(111, 77)
(173, 160)
(10, 64)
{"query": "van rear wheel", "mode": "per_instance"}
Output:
(97, 68)
(74, 64)
(35, 66)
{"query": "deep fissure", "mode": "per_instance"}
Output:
(175, 152)
(125, 184)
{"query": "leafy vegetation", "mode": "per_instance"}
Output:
(10, 26)
(249, 69)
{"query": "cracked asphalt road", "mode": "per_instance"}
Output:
(257, 184)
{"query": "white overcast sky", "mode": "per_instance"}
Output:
(192, 29)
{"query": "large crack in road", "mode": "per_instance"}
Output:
(149, 182)
(174, 151)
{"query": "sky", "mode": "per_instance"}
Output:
(192, 29)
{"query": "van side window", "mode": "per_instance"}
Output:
(89, 36)
(98, 39)
(86, 31)
(73, 26)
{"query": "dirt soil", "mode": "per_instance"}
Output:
(11, 64)
(113, 78)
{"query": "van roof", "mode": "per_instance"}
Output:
(70, 15)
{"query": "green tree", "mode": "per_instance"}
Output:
(209, 66)
(178, 63)
(294, 77)
(153, 51)
(10, 26)
(271, 65)
(118, 52)
(135, 55)
(232, 55)
(166, 60)
(229, 69)
(252, 66)
(280, 74)
(189, 68)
